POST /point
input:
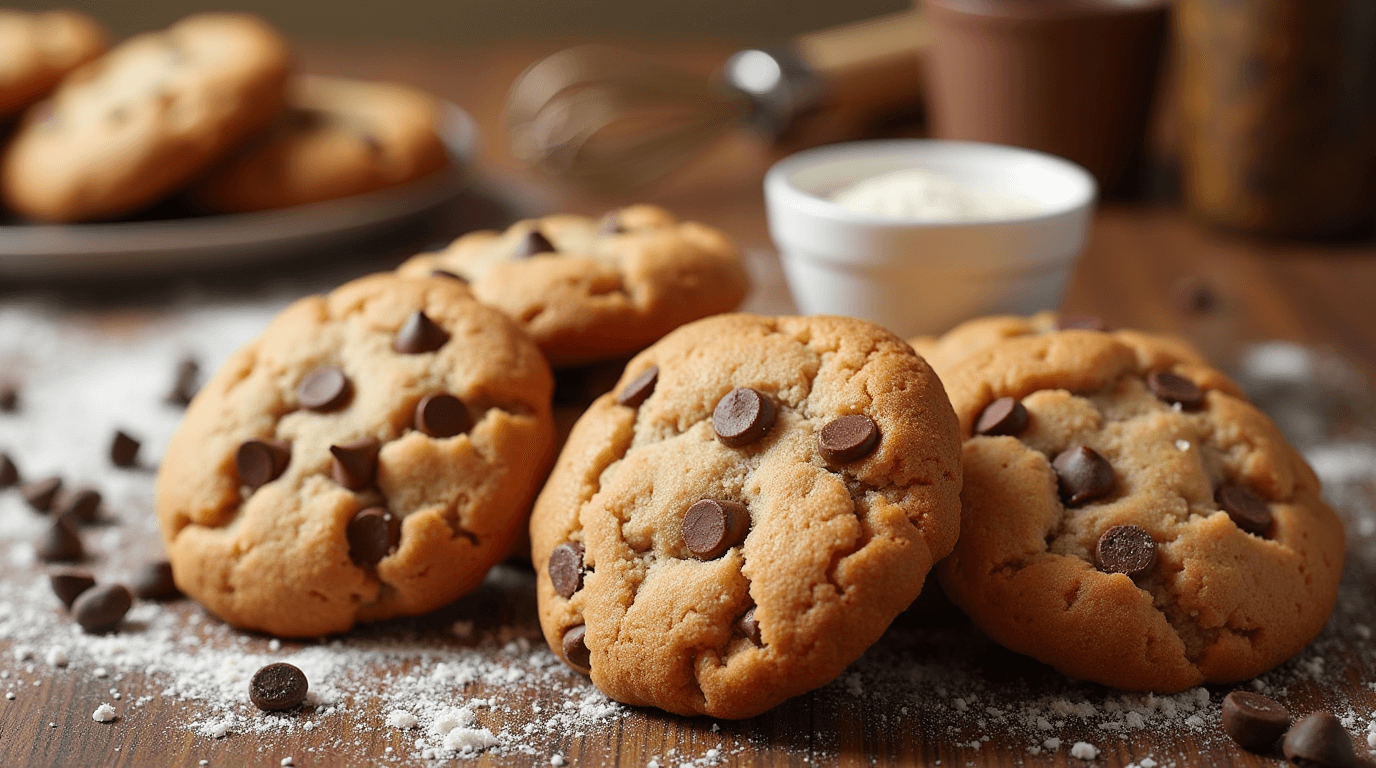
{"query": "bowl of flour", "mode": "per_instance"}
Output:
(918, 235)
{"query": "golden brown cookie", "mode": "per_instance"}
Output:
(1129, 518)
(372, 454)
(39, 49)
(591, 290)
(125, 130)
(338, 138)
(746, 512)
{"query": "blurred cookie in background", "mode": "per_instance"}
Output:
(38, 49)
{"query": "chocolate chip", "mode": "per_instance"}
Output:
(261, 461)
(743, 416)
(9, 471)
(1126, 549)
(848, 438)
(278, 686)
(1083, 475)
(154, 582)
(749, 627)
(1193, 296)
(124, 449)
(371, 143)
(372, 534)
(185, 382)
(712, 526)
(1080, 323)
(1247, 510)
(576, 651)
(1320, 741)
(610, 224)
(102, 607)
(324, 389)
(9, 398)
(355, 463)
(60, 541)
(641, 387)
(1252, 720)
(442, 415)
(40, 494)
(419, 334)
(1004, 416)
(448, 275)
(68, 584)
(81, 505)
(566, 568)
(1171, 388)
(534, 242)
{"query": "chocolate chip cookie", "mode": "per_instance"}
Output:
(372, 454)
(590, 289)
(337, 138)
(39, 49)
(125, 130)
(1129, 518)
(745, 513)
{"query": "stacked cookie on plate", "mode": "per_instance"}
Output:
(208, 106)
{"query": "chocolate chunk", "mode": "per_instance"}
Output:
(371, 143)
(278, 686)
(1320, 741)
(641, 387)
(1171, 388)
(154, 582)
(566, 568)
(1247, 510)
(1252, 720)
(448, 275)
(1004, 416)
(743, 416)
(372, 534)
(1193, 296)
(102, 607)
(1083, 475)
(712, 526)
(9, 471)
(185, 382)
(1126, 549)
(534, 242)
(1080, 323)
(355, 463)
(324, 389)
(749, 627)
(68, 584)
(610, 224)
(124, 449)
(9, 398)
(576, 651)
(848, 438)
(261, 461)
(442, 415)
(40, 494)
(81, 505)
(419, 334)
(60, 541)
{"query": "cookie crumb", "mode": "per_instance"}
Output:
(103, 714)
(1084, 750)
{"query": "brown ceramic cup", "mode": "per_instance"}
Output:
(1074, 78)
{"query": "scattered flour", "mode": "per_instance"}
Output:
(103, 714)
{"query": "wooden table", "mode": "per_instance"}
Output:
(925, 693)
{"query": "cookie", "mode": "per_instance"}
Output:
(338, 138)
(123, 131)
(1129, 518)
(746, 512)
(372, 454)
(590, 289)
(38, 49)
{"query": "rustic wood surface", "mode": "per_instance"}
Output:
(1318, 295)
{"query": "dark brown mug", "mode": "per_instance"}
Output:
(1074, 78)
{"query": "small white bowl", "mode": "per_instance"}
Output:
(918, 277)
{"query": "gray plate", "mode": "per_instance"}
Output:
(43, 251)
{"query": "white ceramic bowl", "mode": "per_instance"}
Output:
(919, 278)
